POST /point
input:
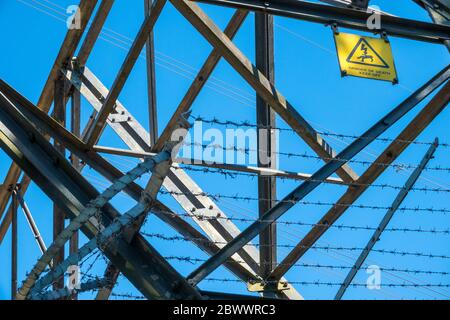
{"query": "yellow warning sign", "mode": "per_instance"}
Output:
(365, 57)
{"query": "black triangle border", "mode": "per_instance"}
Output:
(386, 66)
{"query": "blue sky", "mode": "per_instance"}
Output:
(307, 74)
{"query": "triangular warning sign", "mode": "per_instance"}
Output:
(364, 54)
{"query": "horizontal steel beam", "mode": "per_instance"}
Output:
(224, 166)
(343, 17)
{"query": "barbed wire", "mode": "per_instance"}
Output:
(301, 223)
(248, 124)
(192, 260)
(128, 296)
(305, 155)
(333, 284)
(313, 247)
(234, 174)
(217, 197)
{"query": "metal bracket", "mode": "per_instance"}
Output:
(335, 28)
(264, 286)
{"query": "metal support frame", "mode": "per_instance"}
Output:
(67, 51)
(308, 186)
(186, 192)
(386, 219)
(25, 131)
(52, 128)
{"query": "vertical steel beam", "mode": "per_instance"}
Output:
(59, 113)
(14, 244)
(387, 218)
(75, 128)
(151, 80)
(265, 118)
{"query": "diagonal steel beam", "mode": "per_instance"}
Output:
(308, 186)
(31, 223)
(263, 87)
(343, 17)
(94, 31)
(124, 72)
(387, 218)
(410, 133)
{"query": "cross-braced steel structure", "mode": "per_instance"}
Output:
(37, 142)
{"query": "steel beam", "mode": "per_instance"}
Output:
(14, 245)
(224, 166)
(441, 15)
(343, 17)
(266, 139)
(328, 169)
(186, 191)
(59, 114)
(75, 129)
(386, 219)
(124, 72)
(260, 83)
(151, 80)
(31, 223)
(94, 31)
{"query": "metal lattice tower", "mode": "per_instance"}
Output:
(37, 142)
